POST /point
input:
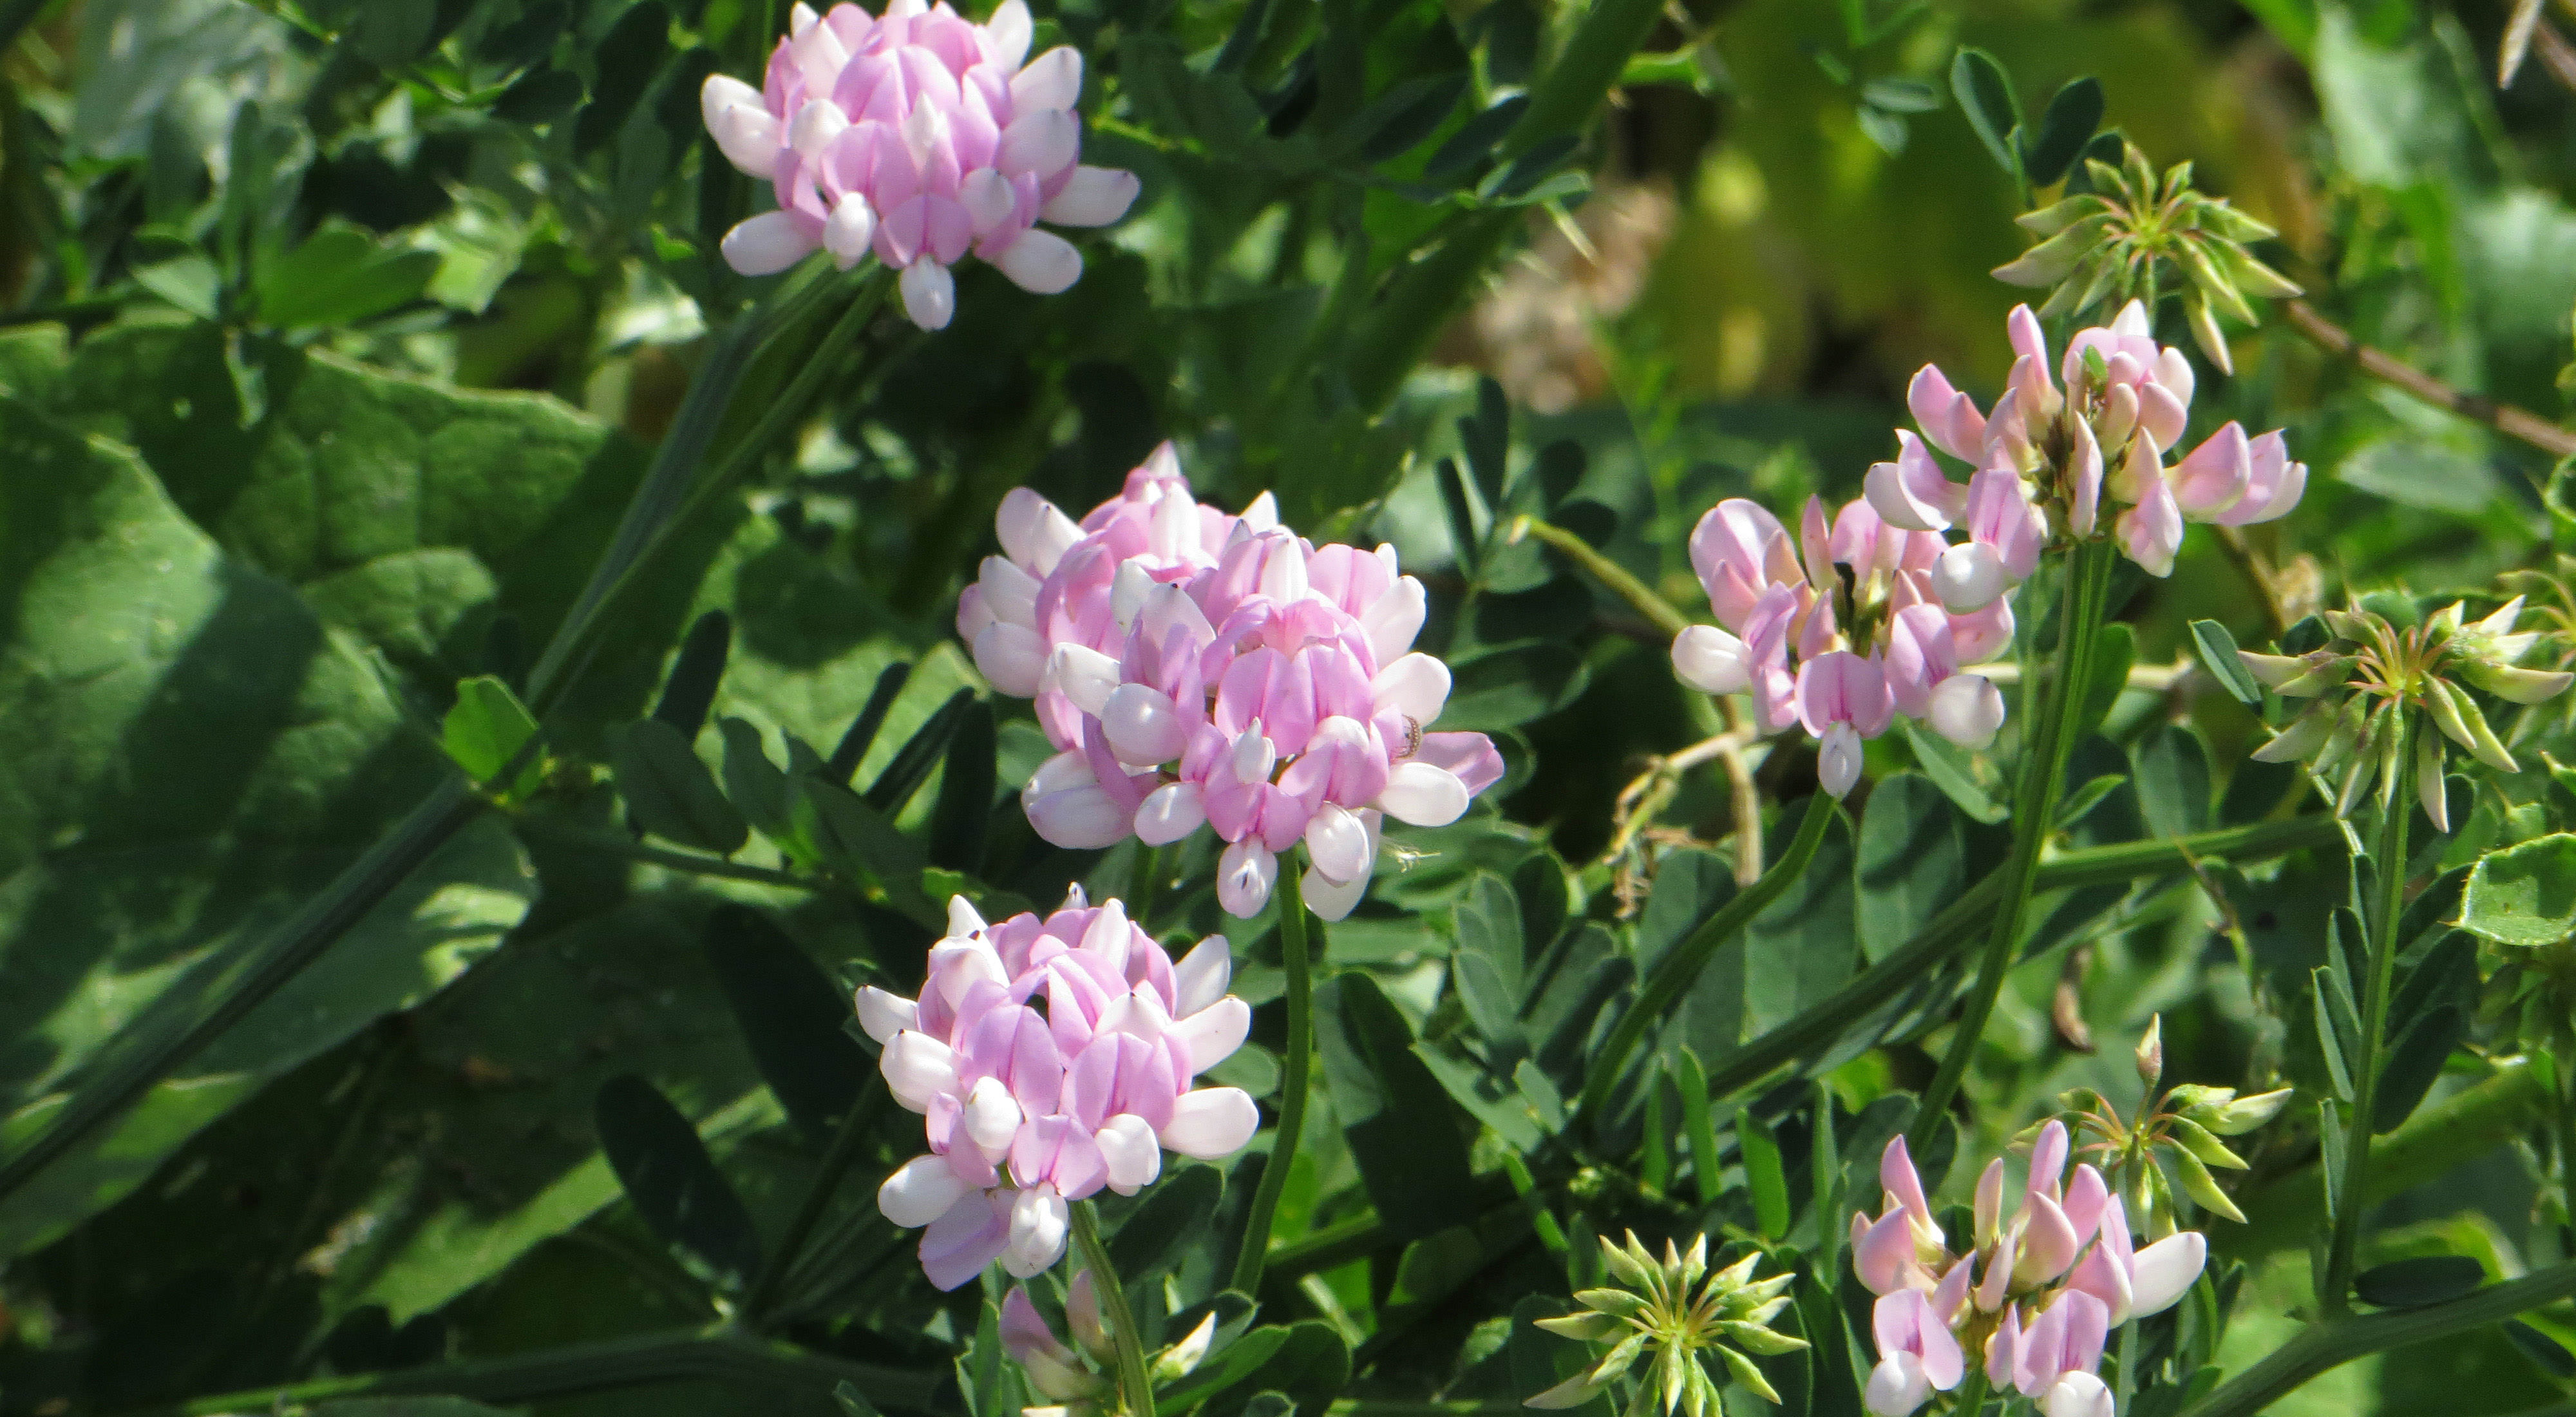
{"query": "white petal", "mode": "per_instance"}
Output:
(1966, 709)
(2163, 1272)
(849, 229)
(1896, 1386)
(1007, 33)
(992, 1116)
(1039, 1222)
(1084, 675)
(1097, 196)
(1169, 813)
(1254, 755)
(920, 1191)
(1041, 141)
(986, 195)
(1416, 686)
(884, 1015)
(1338, 844)
(1211, 1123)
(1143, 727)
(1330, 900)
(1052, 80)
(1078, 818)
(1423, 795)
(1134, 1157)
(1969, 577)
(1041, 263)
(1200, 978)
(917, 1068)
(2078, 1395)
(721, 92)
(1711, 660)
(765, 245)
(1213, 1033)
(1012, 657)
(816, 125)
(1244, 877)
(1394, 619)
(929, 294)
(1838, 759)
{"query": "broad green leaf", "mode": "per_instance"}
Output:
(1393, 1112)
(340, 275)
(2113, 653)
(966, 791)
(1954, 771)
(189, 756)
(1763, 1173)
(1912, 861)
(691, 687)
(1806, 943)
(673, 1183)
(1163, 1228)
(2524, 895)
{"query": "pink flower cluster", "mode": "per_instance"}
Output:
(2044, 1285)
(1050, 1058)
(919, 136)
(1193, 666)
(1844, 654)
(2125, 404)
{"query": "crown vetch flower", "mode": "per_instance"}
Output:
(1855, 620)
(2125, 403)
(1049, 1059)
(919, 137)
(1195, 668)
(2035, 1295)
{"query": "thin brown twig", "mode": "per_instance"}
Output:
(2503, 417)
(2556, 53)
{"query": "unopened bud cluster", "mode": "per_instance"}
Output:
(2364, 679)
(2104, 248)
(1676, 1316)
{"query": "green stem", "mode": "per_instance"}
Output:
(1614, 577)
(2425, 1148)
(2344, 1249)
(2049, 739)
(2339, 1341)
(1680, 966)
(1971, 1401)
(1292, 1085)
(1144, 883)
(611, 844)
(818, 1197)
(1133, 1382)
(719, 1353)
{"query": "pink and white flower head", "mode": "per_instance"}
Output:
(1197, 668)
(1855, 620)
(1049, 1059)
(2125, 404)
(2055, 1274)
(918, 137)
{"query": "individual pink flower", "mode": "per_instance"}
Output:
(1917, 1353)
(1783, 600)
(918, 137)
(2124, 405)
(1028, 1110)
(1202, 669)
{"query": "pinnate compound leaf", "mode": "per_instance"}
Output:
(671, 792)
(217, 756)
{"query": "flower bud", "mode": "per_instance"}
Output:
(2151, 1052)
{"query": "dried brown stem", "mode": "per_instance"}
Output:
(2503, 417)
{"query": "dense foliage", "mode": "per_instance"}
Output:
(1365, 707)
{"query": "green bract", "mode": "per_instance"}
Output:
(1683, 1320)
